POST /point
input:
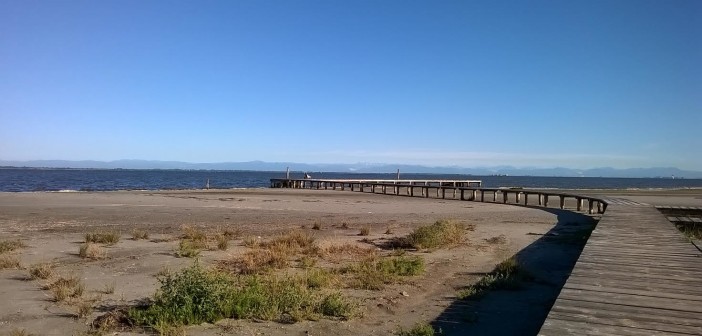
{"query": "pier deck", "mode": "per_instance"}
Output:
(637, 275)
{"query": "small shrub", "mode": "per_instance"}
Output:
(138, 234)
(85, 308)
(64, 288)
(260, 260)
(251, 241)
(440, 234)
(41, 271)
(196, 295)
(10, 245)
(419, 329)
(389, 231)
(307, 262)
(231, 233)
(9, 262)
(109, 288)
(501, 239)
(508, 274)
(193, 233)
(374, 273)
(364, 231)
(344, 225)
(317, 226)
(222, 242)
(91, 251)
(189, 249)
(107, 237)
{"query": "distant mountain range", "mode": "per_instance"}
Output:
(657, 172)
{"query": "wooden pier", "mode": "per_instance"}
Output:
(464, 190)
(637, 275)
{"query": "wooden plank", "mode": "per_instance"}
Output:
(620, 289)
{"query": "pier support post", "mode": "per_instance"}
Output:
(590, 206)
(482, 195)
(546, 200)
(494, 196)
(561, 203)
(526, 199)
(579, 203)
(540, 200)
(518, 196)
(504, 197)
(462, 195)
(599, 207)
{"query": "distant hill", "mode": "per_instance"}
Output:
(663, 172)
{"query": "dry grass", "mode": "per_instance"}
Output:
(85, 309)
(91, 251)
(364, 231)
(292, 243)
(104, 237)
(258, 261)
(7, 262)
(193, 233)
(442, 233)
(64, 288)
(499, 240)
(344, 225)
(375, 273)
(41, 271)
(138, 234)
(190, 248)
(317, 226)
(336, 253)
(230, 233)
(19, 332)
(10, 245)
(389, 231)
(251, 241)
(508, 274)
(109, 288)
(222, 242)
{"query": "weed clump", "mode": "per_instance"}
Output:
(11, 245)
(64, 288)
(440, 234)
(259, 261)
(9, 262)
(107, 237)
(375, 273)
(41, 271)
(222, 242)
(196, 295)
(91, 251)
(138, 234)
(419, 329)
(190, 248)
(508, 274)
(364, 231)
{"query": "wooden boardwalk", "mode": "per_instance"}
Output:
(637, 275)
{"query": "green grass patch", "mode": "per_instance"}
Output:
(440, 234)
(375, 273)
(190, 248)
(508, 274)
(10, 245)
(691, 231)
(419, 329)
(196, 295)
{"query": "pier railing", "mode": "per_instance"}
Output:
(464, 190)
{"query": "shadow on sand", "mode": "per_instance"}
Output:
(550, 259)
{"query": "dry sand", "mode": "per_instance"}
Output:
(53, 226)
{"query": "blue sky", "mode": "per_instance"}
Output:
(575, 84)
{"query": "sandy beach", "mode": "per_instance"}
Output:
(53, 226)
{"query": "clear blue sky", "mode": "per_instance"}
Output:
(470, 83)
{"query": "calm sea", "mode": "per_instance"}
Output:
(15, 180)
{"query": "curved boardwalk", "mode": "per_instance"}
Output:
(637, 275)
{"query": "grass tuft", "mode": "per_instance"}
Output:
(7, 262)
(222, 242)
(317, 226)
(336, 253)
(106, 237)
(19, 332)
(440, 234)
(508, 274)
(374, 273)
(91, 251)
(190, 248)
(64, 288)
(138, 234)
(364, 231)
(41, 271)
(11, 245)
(85, 308)
(259, 261)
(192, 233)
(196, 295)
(419, 329)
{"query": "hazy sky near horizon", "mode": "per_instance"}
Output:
(575, 84)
